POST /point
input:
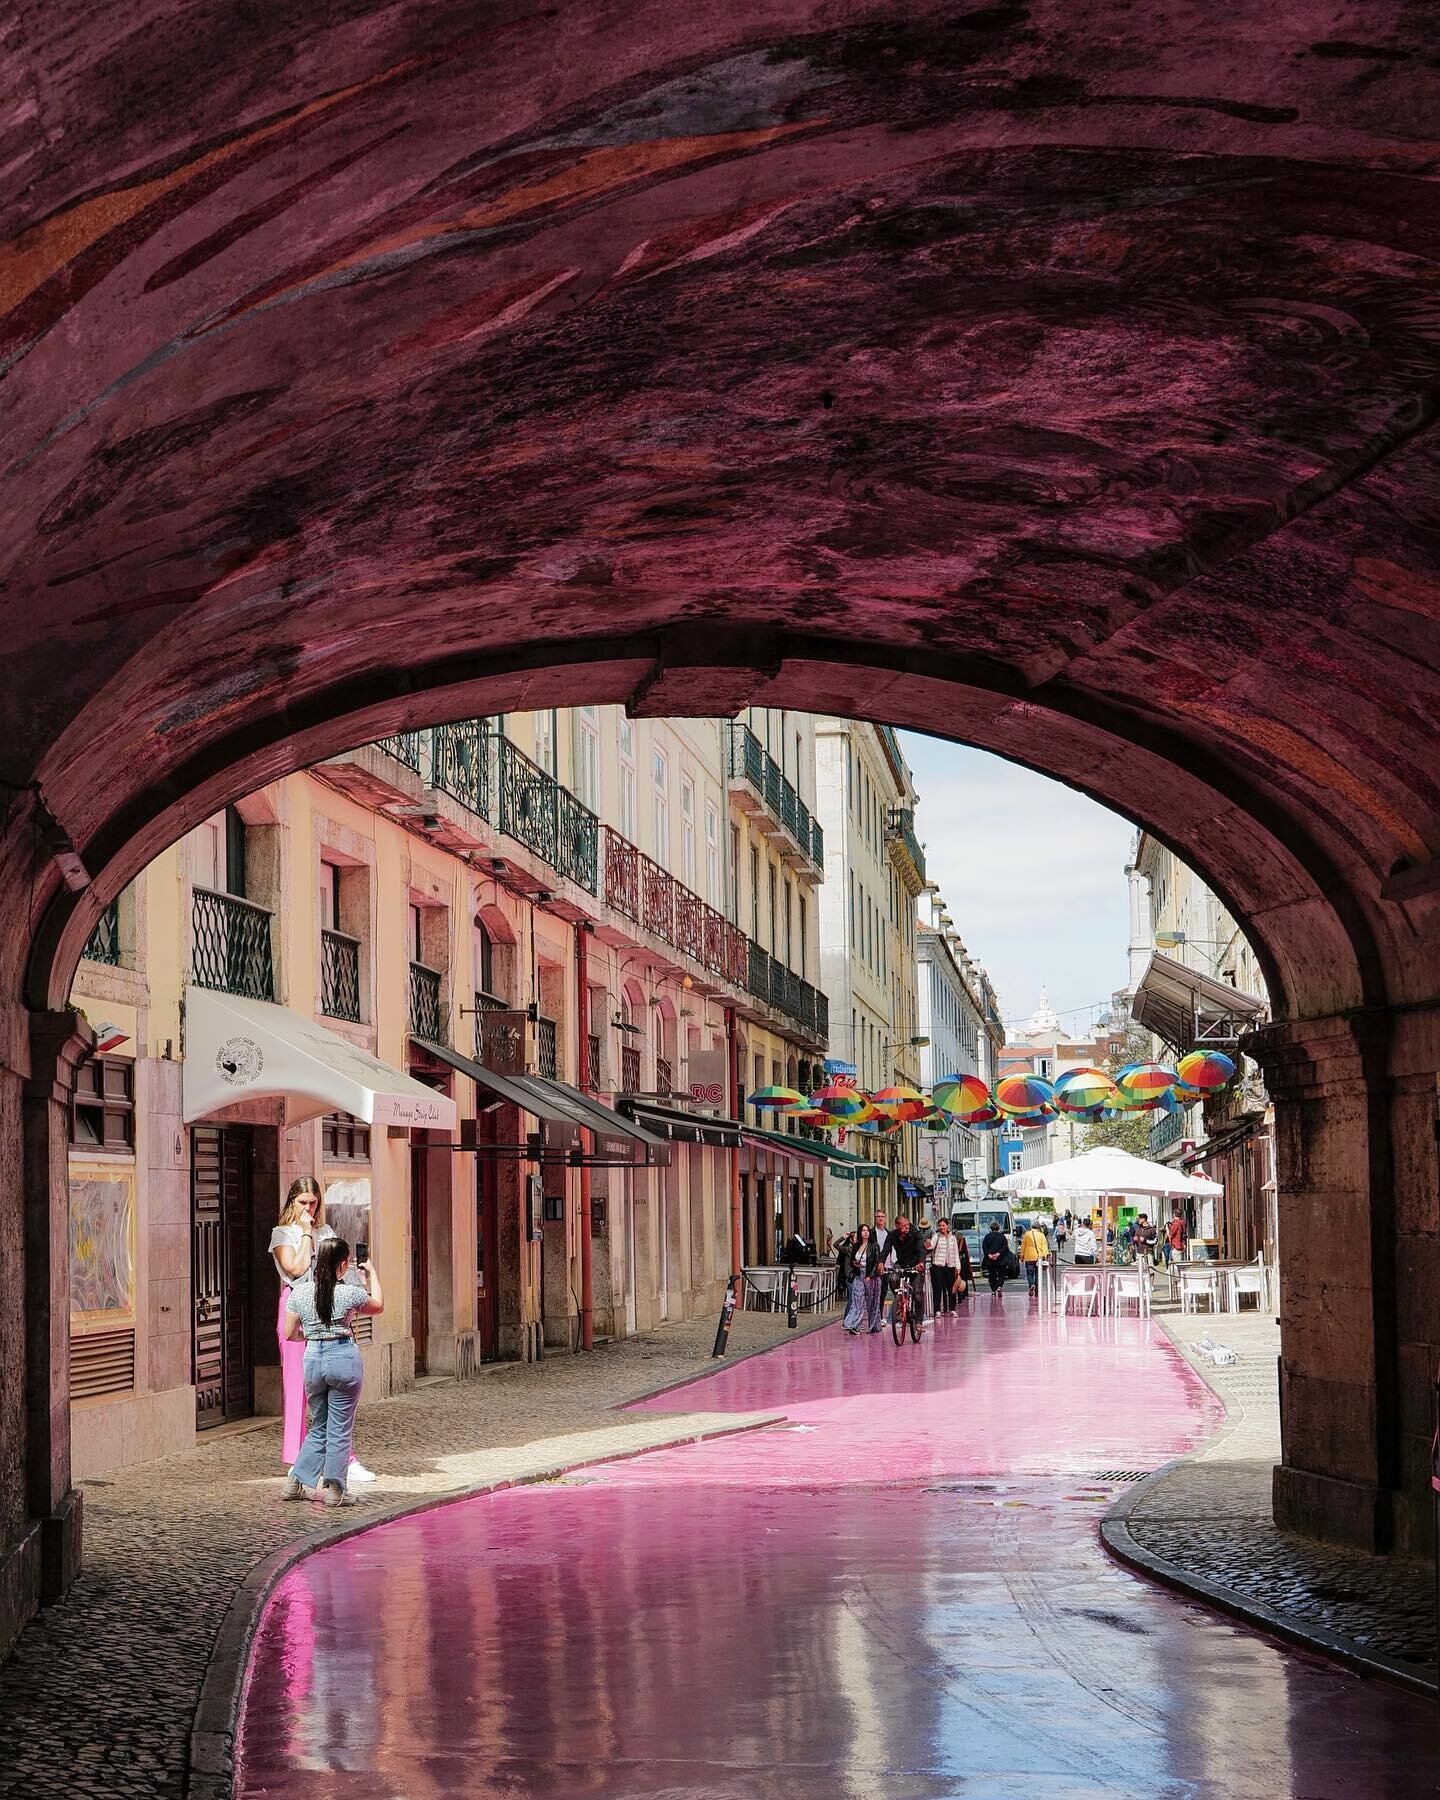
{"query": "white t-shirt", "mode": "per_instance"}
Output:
(290, 1237)
(1084, 1241)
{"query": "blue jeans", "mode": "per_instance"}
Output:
(333, 1377)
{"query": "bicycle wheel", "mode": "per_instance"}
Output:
(897, 1319)
(916, 1327)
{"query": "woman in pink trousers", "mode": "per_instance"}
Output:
(293, 1243)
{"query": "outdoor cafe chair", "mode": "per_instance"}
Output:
(1247, 1280)
(1198, 1284)
(1080, 1284)
(1127, 1285)
(763, 1287)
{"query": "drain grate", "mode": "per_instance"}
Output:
(1119, 1474)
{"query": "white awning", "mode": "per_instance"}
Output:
(1186, 1008)
(250, 1050)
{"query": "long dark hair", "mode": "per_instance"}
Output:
(327, 1262)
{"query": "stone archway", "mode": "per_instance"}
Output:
(942, 367)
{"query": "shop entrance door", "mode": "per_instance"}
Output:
(222, 1336)
(420, 1255)
(487, 1243)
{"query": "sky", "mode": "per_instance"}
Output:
(1032, 872)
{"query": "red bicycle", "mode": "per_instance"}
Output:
(907, 1309)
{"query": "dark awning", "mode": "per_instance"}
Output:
(545, 1098)
(782, 1144)
(1186, 1008)
(676, 1126)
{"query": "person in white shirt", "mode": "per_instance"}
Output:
(944, 1268)
(875, 1285)
(1085, 1245)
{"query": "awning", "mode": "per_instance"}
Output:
(238, 1049)
(844, 1165)
(1186, 1008)
(677, 1126)
(555, 1101)
(780, 1142)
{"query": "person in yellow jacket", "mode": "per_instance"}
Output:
(1034, 1249)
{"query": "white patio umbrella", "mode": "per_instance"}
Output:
(1107, 1173)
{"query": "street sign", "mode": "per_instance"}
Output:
(976, 1190)
(942, 1187)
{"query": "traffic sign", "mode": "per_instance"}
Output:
(976, 1190)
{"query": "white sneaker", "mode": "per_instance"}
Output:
(358, 1472)
(295, 1490)
(335, 1495)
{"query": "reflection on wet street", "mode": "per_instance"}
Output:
(900, 1590)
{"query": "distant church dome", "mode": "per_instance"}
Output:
(1044, 1026)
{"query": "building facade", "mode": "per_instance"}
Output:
(1196, 984)
(959, 1019)
(874, 872)
(528, 919)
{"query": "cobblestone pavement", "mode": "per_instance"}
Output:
(1210, 1517)
(99, 1696)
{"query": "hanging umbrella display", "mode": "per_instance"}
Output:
(1082, 1090)
(1016, 1094)
(966, 1096)
(939, 1125)
(886, 1124)
(776, 1097)
(1145, 1081)
(842, 1103)
(1205, 1070)
(905, 1103)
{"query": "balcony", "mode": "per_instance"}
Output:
(232, 948)
(547, 1061)
(427, 1017)
(652, 899)
(905, 850)
(784, 992)
(103, 943)
(629, 1069)
(340, 976)
(763, 790)
(664, 1076)
(594, 1064)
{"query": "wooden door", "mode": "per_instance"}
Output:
(221, 1204)
(487, 1243)
(420, 1255)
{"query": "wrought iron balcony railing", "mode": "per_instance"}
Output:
(339, 975)
(577, 837)
(664, 1076)
(460, 763)
(103, 943)
(750, 762)
(629, 1069)
(232, 949)
(900, 834)
(407, 747)
(427, 1015)
(546, 1060)
(594, 1063)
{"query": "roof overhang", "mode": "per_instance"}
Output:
(1186, 1009)
(238, 1050)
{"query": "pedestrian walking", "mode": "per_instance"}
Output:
(875, 1281)
(1034, 1249)
(1175, 1237)
(944, 1268)
(1085, 1244)
(1062, 1236)
(856, 1263)
(995, 1255)
(1142, 1241)
(321, 1308)
(294, 1243)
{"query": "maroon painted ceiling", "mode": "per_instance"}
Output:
(1062, 376)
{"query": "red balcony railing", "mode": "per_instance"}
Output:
(657, 899)
(622, 875)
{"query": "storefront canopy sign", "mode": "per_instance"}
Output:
(237, 1049)
(1186, 1008)
(672, 1124)
(780, 1143)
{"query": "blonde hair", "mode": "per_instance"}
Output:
(290, 1211)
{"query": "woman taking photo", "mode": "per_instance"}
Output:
(322, 1308)
(293, 1246)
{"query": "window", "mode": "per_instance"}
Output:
(330, 896)
(850, 777)
(804, 935)
(416, 934)
(484, 960)
(789, 929)
(344, 1138)
(754, 894)
(545, 741)
(735, 874)
(102, 1111)
(660, 778)
(627, 778)
(712, 852)
(770, 874)
(587, 757)
(687, 831)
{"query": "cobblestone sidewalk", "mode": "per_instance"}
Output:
(1207, 1523)
(100, 1694)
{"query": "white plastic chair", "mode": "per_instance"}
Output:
(1127, 1285)
(1249, 1280)
(763, 1285)
(1080, 1284)
(1198, 1284)
(809, 1287)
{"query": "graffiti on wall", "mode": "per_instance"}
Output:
(102, 1242)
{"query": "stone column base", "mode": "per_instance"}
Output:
(61, 1538)
(1335, 1511)
(19, 1585)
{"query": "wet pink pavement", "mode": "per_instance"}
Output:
(899, 1590)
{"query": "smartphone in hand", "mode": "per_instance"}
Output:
(362, 1253)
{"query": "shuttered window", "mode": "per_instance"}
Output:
(102, 1362)
(344, 1138)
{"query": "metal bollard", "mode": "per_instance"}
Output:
(727, 1314)
(792, 1302)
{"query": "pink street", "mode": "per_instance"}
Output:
(901, 1589)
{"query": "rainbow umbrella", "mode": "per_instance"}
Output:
(903, 1103)
(885, 1125)
(1016, 1094)
(1082, 1090)
(842, 1103)
(776, 1097)
(989, 1115)
(939, 1124)
(1205, 1070)
(962, 1095)
(1145, 1081)
(821, 1121)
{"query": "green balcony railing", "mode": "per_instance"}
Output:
(103, 943)
(749, 761)
(232, 949)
